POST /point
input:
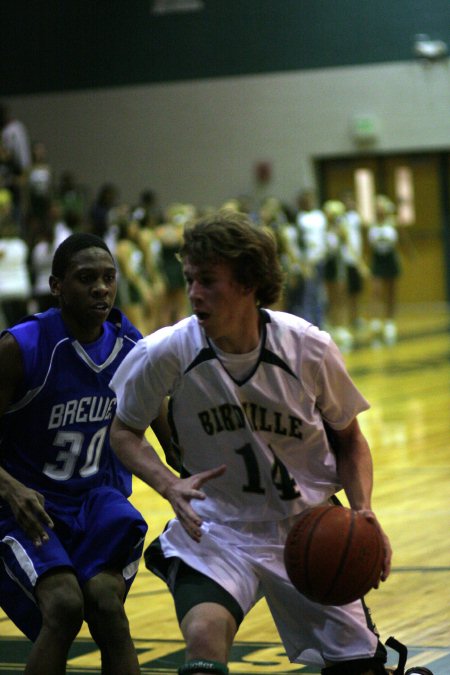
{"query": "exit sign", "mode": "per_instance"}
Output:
(365, 128)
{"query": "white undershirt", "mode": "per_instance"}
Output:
(238, 365)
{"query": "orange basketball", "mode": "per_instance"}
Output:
(333, 555)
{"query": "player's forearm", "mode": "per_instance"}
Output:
(354, 464)
(139, 457)
(8, 485)
(356, 474)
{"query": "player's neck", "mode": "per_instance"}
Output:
(244, 339)
(83, 333)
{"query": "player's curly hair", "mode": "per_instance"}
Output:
(230, 236)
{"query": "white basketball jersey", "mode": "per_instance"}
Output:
(268, 428)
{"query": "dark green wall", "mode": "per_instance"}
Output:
(56, 45)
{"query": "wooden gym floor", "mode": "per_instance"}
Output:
(409, 432)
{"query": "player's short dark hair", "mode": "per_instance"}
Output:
(230, 236)
(70, 246)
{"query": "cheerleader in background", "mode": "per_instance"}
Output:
(383, 239)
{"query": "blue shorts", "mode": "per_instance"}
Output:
(105, 533)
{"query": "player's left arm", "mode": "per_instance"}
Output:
(355, 469)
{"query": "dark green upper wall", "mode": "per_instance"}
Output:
(58, 45)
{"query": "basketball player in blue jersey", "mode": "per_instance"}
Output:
(264, 398)
(70, 541)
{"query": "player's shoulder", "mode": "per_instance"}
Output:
(285, 323)
(183, 331)
(292, 337)
(123, 326)
(38, 336)
(168, 340)
(35, 328)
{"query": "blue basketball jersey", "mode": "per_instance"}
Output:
(55, 438)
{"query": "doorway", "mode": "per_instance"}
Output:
(419, 185)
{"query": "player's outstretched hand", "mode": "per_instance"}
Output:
(387, 545)
(28, 509)
(182, 491)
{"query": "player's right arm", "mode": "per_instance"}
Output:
(355, 468)
(27, 505)
(139, 457)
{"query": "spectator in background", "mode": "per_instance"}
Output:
(334, 275)
(170, 236)
(15, 284)
(134, 295)
(312, 226)
(150, 245)
(72, 200)
(383, 237)
(355, 268)
(15, 140)
(51, 233)
(147, 212)
(39, 183)
(7, 171)
(272, 216)
(99, 215)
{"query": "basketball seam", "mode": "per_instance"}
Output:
(373, 568)
(308, 546)
(344, 556)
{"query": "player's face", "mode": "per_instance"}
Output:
(225, 309)
(87, 292)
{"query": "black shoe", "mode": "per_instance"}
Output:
(402, 656)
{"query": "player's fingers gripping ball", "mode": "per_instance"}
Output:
(334, 555)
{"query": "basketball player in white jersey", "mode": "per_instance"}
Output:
(263, 402)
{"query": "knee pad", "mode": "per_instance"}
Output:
(356, 667)
(203, 666)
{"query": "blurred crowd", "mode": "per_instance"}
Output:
(330, 255)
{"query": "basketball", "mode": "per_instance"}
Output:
(333, 555)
